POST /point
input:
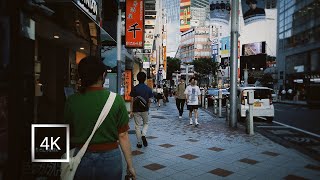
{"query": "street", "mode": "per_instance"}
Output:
(298, 116)
(294, 126)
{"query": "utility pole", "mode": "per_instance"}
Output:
(119, 71)
(234, 63)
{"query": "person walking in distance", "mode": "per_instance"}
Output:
(159, 95)
(180, 96)
(193, 93)
(140, 103)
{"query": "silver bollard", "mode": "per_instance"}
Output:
(215, 105)
(206, 103)
(228, 112)
(220, 103)
(249, 113)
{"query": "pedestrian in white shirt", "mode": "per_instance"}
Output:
(193, 93)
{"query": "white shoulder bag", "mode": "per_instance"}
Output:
(68, 169)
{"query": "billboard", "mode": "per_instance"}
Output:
(220, 11)
(134, 23)
(253, 48)
(185, 15)
(253, 11)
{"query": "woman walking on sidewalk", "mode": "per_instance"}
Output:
(102, 159)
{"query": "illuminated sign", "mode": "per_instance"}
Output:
(90, 7)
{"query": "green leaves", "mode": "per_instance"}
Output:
(205, 66)
(173, 65)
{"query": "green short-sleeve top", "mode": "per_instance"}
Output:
(82, 111)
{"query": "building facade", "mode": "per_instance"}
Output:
(298, 57)
(195, 44)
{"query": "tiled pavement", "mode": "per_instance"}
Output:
(212, 151)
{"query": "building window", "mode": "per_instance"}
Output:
(281, 75)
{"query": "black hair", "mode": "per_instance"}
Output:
(90, 69)
(251, 1)
(183, 78)
(192, 78)
(141, 76)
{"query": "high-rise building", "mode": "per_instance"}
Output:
(298, 57)
(171, 10)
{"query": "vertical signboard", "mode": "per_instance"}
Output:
(149, 38)
(128, 85)
(253, 11)
(215, 51)
(185, 15)
(153, 57)
(220, 11)
(164, 58)
(225, 46)
(134, 23)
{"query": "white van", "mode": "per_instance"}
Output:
(262, 107)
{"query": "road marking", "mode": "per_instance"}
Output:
(279, 110)
(271, 127)
(307, 132)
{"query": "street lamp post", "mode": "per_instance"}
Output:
(234, 63)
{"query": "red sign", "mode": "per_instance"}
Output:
(128, 84)
(134, 23)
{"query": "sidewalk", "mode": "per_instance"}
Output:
(212, 151)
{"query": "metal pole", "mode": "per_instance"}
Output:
(234, 63)
(119, 72)
(220, 102)
(187, 73)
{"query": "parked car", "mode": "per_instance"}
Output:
(213, 94)
(262, 107)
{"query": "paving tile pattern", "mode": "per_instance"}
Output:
(212, 151)
(221, 172)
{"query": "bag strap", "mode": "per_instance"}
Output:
(102, 116)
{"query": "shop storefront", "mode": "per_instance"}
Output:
(47, 41)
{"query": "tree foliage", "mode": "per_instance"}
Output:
(173, 65)
(205, 66)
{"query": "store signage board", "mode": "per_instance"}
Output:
(149, 38)
(90, 7)
(128, 85)
(134, 23)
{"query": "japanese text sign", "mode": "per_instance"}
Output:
(134, 23)
(128, 85)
